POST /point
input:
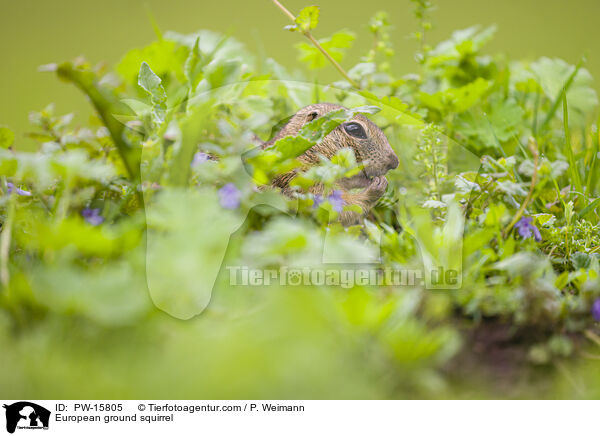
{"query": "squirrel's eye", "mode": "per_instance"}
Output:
(356, 130)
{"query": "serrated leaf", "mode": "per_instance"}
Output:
(308, 18)
(152, 84)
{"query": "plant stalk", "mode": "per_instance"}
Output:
(536, 157)
(318, 46)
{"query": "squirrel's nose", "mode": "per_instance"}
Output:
(392, 161)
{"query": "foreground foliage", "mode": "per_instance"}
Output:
(498, 159)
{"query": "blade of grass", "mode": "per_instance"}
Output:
(536, 109)
(591, 174)
(589, 208)
(153, 23)
(561, 94)
(573, 170)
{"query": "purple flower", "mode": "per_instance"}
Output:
(229, 196)
(317, 200)
(596, 309)
(336, 201)
(18, 191)
(199, 158)
(92, 216)
(525, 228)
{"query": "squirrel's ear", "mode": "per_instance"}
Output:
(311, 116)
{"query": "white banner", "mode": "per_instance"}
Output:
(259, 417)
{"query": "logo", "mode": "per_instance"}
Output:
(26, 415)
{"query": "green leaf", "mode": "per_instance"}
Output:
(212, 45)
(280, 157)
(456, 99)
(313, 132)
(495, 215)
(7, 137)
(292, 146)
(191, 133)
(309, 135)
(165, 56)
(345, 158)
(581, 260)
(562, 280)
(554, 74)
(192, 67)
(222, 73)
(108, 108)
(180, 274)
(111, 295)
(72, 164)
(462, 43)
(511, 188)
(308, 18)
(393, 109)
(152, 84)
(336, 46)
(545, 219)
(502, 123)
(362, 70)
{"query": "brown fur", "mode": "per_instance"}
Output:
(374, 151)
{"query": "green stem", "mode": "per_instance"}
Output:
(318, 46)
(106, 106)
(519, 214)
(591, 175)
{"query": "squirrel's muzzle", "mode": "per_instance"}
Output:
(392, 161)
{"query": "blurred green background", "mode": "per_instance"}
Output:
(37, 32)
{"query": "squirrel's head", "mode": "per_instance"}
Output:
(369, 143)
